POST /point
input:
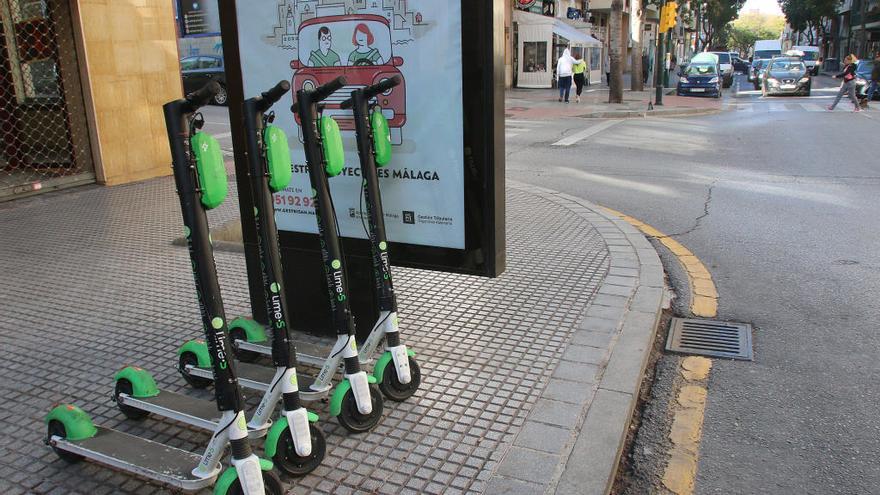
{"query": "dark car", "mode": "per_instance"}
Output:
(786, 76)
(863, 78)
(756, 72)
(739, 65)
(199, 70)
(700, 78)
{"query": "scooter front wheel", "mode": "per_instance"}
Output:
(271, 484)
(352, 419)
(396, 391)
(293, 464)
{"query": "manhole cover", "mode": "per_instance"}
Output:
(710, 338)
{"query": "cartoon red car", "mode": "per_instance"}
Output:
(359, 48)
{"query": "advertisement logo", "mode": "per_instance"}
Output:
(409, 217)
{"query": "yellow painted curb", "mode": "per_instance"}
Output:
(704, 295)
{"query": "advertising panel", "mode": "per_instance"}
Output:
(311, 42)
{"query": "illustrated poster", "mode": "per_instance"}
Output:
(311, 42)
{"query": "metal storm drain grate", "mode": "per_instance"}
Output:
(710, 338)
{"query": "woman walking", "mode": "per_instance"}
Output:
(848, 86)
(563, 74)
(579, 69)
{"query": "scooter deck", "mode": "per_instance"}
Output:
(312, 353)
(201, 413)
(256, 377)
(140, 456)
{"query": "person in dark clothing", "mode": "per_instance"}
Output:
(645, 68)
(848, 87)
(875, 77)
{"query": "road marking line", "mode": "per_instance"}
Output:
(524, 122)
(687, 426)
(747, 107)
(704, 295)
(221, 135)
(812, 107)
(689, 409)
(778, 107)
(511, 134)
(574, 138)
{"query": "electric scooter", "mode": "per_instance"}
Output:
(374, 148)
(294, 442)
(200, 176)
(355, 402)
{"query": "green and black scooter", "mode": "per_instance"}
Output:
(294, 442)
(402, 378)
(200, 176)
(355, 402)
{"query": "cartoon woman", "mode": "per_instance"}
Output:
(364, 53)
(324, 56)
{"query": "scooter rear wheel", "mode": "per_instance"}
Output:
(56, 429)
(351, 418)
(242, 355)
(271, 483)
(124, 386)
(190, 359)
(396, 391)
(291, 463)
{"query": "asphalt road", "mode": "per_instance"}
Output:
(779, 199)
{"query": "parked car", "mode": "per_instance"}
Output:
(702, 77)
(863, 78)
(199, 70)
(739, 65)
(726, 68)
(757, 72)
(786, 75)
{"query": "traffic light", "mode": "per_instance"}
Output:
(667, 16)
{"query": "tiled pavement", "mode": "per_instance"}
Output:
(89, 282)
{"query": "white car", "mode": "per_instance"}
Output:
(726, 67)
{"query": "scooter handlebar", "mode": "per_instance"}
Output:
(201, 97)
(270, 97)
(322, 92)
(371, 91)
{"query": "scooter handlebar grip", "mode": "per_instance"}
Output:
(382, 86)
(323, 91)
(201, 97)
(271, 96)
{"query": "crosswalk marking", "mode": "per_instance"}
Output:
(812, 107)
(574, 138)
(777, 107)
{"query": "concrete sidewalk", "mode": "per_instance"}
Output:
(542, 104)
(529, 379)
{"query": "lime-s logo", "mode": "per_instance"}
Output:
(204, 147)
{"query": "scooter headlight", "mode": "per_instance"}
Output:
(308, 85)
(388, 92)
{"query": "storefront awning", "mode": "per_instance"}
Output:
(574, 36)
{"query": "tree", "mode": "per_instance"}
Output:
(637, 83)
(615, 91)
(809, 16)
(719, 14)
(751, 27)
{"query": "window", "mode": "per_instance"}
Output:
(210, 63)
(535, 56)
(189, 63)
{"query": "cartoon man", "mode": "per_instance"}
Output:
(324, 56)
(364, 53)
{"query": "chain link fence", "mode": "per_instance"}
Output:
(44, 141)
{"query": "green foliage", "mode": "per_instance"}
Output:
(806, 15)
(752, 27)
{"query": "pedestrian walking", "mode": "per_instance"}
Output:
(875, 78)
(564, 74)
(848, 87)
(579, 70)
(608, 67)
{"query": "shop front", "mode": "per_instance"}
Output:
(540, 42)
